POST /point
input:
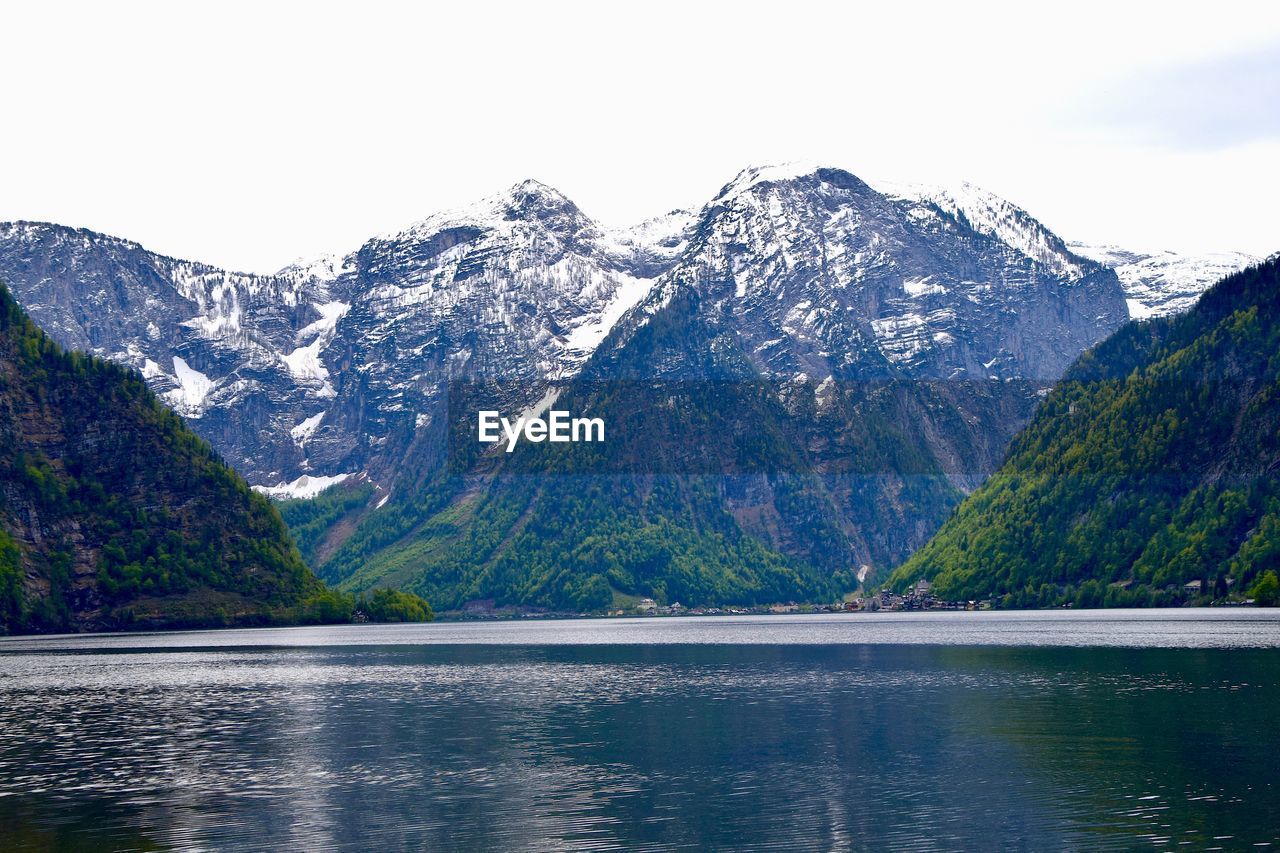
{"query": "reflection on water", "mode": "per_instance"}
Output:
(583, 735)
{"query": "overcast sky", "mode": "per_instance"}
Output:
(248, 135)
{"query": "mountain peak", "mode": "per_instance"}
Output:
(754, 176)
(534, 199)
(528, 201)
(532, 186)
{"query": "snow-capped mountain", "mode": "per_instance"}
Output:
(516, 290)
(824, 368)
(309, 372)
(227, 350)
(887, 325)
(1163, 282)
(820, 274)
(330, 366)
(820, 281)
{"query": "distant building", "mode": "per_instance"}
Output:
(648, 605)
(923, 588)
(1192, 588)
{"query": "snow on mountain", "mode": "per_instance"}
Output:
(335, 363)
(306, 486)
(193, 388)
(525, 265)
(655, 243)
(893, 331)
(303, 431)
(323, 268)
(1162, 282)
(211, 342)
(304, 361)
(754, 176)
(987, 213)
(818, 273)
(312, 370)
(517, 290)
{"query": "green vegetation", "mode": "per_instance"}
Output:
(393, 605)
(309, 520)
(11, 610)
(1148, 477)
(1266, 591)
(117, 515)
(330, 606)
(569, 543)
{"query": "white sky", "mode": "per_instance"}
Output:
(248, 135)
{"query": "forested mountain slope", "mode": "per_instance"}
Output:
(1153, 465)
(115, 514)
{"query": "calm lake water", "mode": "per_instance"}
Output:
(1122, 730)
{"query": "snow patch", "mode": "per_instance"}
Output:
(1139, 311)
(302, 432)
(304, 362)
(585, 337)
(193, 387)
(989, 214)
(1161, 282)
(323, 268)
(916, 287)
(536, 410)
(305, 486)
(755, 175)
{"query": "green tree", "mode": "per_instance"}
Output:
(393, 605)
(1266, 592)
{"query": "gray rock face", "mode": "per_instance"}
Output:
(819, 275)
(517, 290)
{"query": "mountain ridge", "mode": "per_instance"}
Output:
(934, 315)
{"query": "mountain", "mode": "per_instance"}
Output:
(823, 274)
(1161, 283)
(800, 397)
(516, 290)
(115, 514)
(1154, 464)
(882, 343)
(227, 350)
(328, 368)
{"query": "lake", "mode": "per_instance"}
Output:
(937, 731)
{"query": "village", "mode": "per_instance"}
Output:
(918, 597)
